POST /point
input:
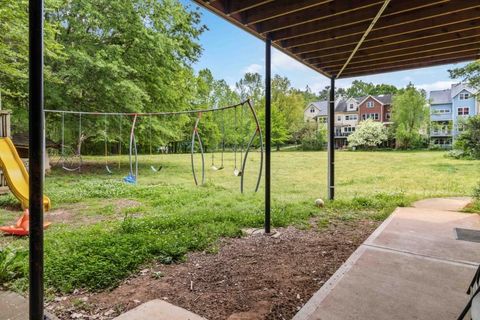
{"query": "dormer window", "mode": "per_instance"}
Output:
(352, 106)
(312, 110)
(464, 96)
(370, 104)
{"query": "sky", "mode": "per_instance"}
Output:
(230, 52)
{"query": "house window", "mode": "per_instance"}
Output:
(347, 118)
(312, 110)
(339, 118)
(463, 111)
(373, 116)
(388, 116)
(370, 104)
(353, 117)
(464, 96)
(364, 116)
(441, 111)
(352, 106)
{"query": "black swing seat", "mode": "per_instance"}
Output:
(237, 172)
(215, 168)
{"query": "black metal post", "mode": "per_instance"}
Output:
(331, 141)
(36, 150)
(268, 128)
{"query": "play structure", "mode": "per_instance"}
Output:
(22, 227)
(71, 157)
(14, 175)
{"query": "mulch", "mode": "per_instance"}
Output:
(256, 277)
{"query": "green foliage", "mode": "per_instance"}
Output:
(410, 113)
(312, 137)
(470, 73)
(469, 140)
(361, 89)
(369, 134)
(12, 264)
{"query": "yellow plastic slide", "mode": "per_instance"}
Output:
(15, 173)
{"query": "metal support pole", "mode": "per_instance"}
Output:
(36, 159)
(331, 141)
(268, 128)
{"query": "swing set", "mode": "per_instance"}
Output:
(71, 159)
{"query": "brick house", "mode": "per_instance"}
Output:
(377, 108)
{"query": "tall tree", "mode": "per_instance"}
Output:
(410, 113)
(14, 56)
(360, 88)
(470, 73)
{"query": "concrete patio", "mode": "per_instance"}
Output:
(411, 267)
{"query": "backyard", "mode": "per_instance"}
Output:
(106, 233)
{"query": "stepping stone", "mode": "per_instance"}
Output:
(158, 310)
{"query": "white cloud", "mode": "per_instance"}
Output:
(438, 85)
(253, 68)
(281, 61)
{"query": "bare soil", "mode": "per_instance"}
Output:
(257, 277)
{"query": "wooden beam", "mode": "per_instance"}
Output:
(399, 51)
(244, 5)
(406, 34)
(471, 45)
(365, 35)
(412, 59)
(327, 11)
(431, 63)
(363, 14)
(423, 18)
(280, 8)
(418, 40)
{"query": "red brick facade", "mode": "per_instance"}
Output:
(371, 108)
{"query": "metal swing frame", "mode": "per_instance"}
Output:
(196, 137)
(256, 134)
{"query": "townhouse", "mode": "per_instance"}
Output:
(349, 112)
(449, 109)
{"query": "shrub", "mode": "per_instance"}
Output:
(469, 140)
(369, 134)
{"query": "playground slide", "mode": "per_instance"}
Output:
(15, 173)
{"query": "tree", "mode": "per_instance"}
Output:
(14, 56)
(410, 113)
(469, 140)
(360, 88)
(470, 73)
(324, 94)
(369, 134)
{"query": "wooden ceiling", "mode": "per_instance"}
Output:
(324, 34)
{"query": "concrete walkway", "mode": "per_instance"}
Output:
(411, 267)
(15, 307)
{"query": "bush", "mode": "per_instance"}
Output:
(312, 138)
(469, 140)
(369, 134)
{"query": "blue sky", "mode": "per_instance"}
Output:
(229, 52)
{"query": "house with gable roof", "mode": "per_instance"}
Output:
(449, 109)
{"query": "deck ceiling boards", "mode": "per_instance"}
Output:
(323, 33)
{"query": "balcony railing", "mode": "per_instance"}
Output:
(440, 133)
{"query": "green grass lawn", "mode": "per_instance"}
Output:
(109, 229)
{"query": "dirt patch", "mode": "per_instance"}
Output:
(256, 277)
